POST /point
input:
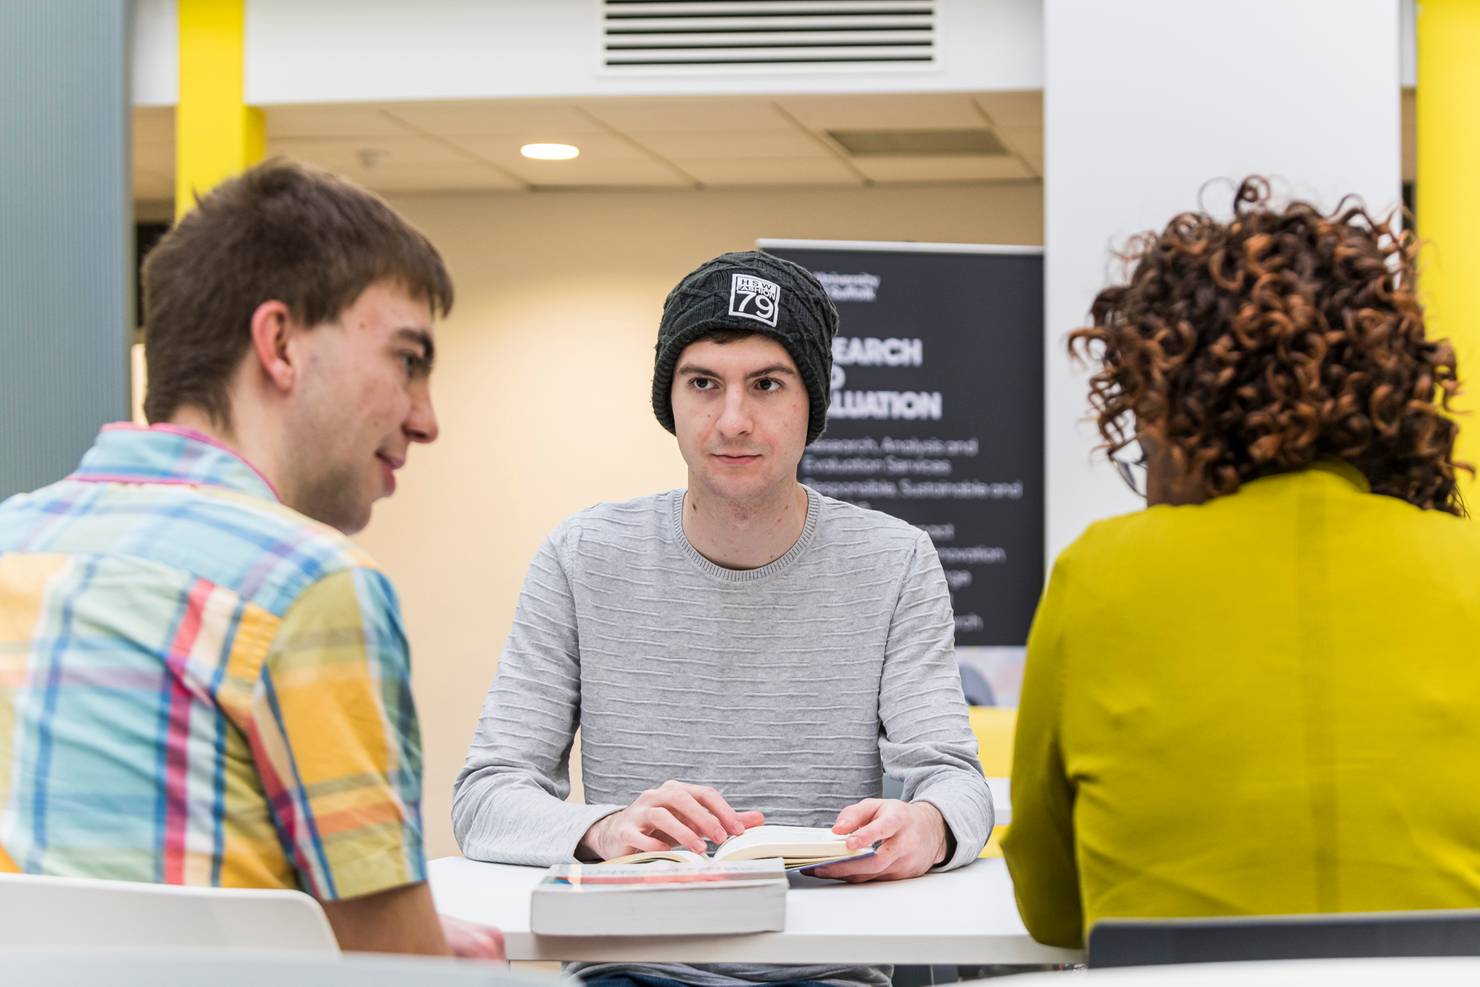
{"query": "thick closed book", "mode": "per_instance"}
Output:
(659, 899)
(797, 847)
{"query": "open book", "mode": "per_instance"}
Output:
(798, 847)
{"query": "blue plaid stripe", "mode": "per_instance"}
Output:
(45, 741)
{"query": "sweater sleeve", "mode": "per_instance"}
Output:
(926, 741)
(1039, 845)
(508, 803)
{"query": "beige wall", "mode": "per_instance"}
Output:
(542, 392)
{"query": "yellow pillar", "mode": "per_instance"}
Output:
(216, 133)
(1448, 199)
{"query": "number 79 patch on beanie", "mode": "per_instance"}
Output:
(755, 298)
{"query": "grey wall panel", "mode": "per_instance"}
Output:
(66, 229)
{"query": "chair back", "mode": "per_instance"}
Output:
(994, 727)
(69, 911)
(193, 967)
(1153, 942)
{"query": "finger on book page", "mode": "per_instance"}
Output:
(661, 820)
(632, 839)
(729, 819)
(883, 826)
(750, 819)
(856, 815)
(704, 810)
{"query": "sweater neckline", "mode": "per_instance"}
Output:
(814, 506)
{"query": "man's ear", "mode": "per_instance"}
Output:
(271, 325)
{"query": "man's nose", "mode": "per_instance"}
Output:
(735, 418)
(421, 423)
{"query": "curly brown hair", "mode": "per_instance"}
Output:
(1257, 345)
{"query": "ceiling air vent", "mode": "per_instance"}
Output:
(918, 143)
(793, 33)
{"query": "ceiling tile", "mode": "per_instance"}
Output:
(1027, 141)
(153, 152)
(736, 144)
(158, 158)
(632, 173)
(153, 185)
(154, 124)
(527, 120)
(304, 122)
(625, 142)
(923, 111)
(770, 171)
(397, 163)
(1015, 109)
(697, 115)
(596, 148)
(465, 175)
(956, 168)
(604, 160)
(346, 154)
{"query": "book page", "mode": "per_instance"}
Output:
(785, 841)
(662, 875)
(652, 856)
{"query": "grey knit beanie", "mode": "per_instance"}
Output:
(751, 291)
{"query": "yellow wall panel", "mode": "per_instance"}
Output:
(216, 133)
(1448, 196)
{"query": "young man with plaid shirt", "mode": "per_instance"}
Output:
(202, 679)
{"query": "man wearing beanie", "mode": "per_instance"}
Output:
(740, 651)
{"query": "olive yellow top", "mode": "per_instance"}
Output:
(1265, 704)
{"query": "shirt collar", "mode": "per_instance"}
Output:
(163, 453)
(1343, 469)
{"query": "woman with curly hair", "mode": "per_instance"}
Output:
(1258, 696)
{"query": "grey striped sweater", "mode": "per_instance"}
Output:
(791, 688)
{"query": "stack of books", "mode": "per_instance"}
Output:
(739, 887)
(659, 899)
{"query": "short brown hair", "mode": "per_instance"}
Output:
(1257, 345)
(278, 231)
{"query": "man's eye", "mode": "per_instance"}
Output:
(412, 363)
(768, 384)
(702, 384)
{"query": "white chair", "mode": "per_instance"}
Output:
(69, 911)
(73, 967)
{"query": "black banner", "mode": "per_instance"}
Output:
(937, 412)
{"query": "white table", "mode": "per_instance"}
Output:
(963, 916)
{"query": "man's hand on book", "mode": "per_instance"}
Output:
(674, 814)
(911, 838)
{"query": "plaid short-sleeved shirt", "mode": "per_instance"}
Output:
(198, 685)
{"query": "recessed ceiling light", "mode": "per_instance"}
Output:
(550, 152)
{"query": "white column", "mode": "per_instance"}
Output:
(1154, 106)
